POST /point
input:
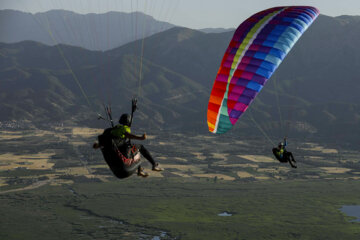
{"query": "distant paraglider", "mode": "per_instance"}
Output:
(257, 48)
(283, 155)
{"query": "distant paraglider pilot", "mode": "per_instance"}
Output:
(122, 156)
(284, 156)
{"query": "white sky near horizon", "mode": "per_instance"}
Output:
(187, 13)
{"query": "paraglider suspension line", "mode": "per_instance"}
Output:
(261, 130)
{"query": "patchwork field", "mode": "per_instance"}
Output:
(65, 153)
(56, 180)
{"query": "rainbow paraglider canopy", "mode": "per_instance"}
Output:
(257, 48)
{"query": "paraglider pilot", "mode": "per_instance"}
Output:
(121, 135)
(284, 156)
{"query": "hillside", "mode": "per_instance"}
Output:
(313, 94)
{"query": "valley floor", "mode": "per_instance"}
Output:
(53, 185)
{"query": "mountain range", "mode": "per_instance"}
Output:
(313, 94)
(91, 31)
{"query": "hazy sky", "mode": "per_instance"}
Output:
(188, 13)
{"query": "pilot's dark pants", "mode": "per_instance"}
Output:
(289, 156)
(145, 153)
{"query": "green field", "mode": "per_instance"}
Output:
(53, 185)
(143, 208)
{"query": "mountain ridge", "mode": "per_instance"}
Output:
(92, 31)
(303, 98)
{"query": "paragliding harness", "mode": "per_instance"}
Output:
(125, 161)
(285, 158)
(276, 153)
